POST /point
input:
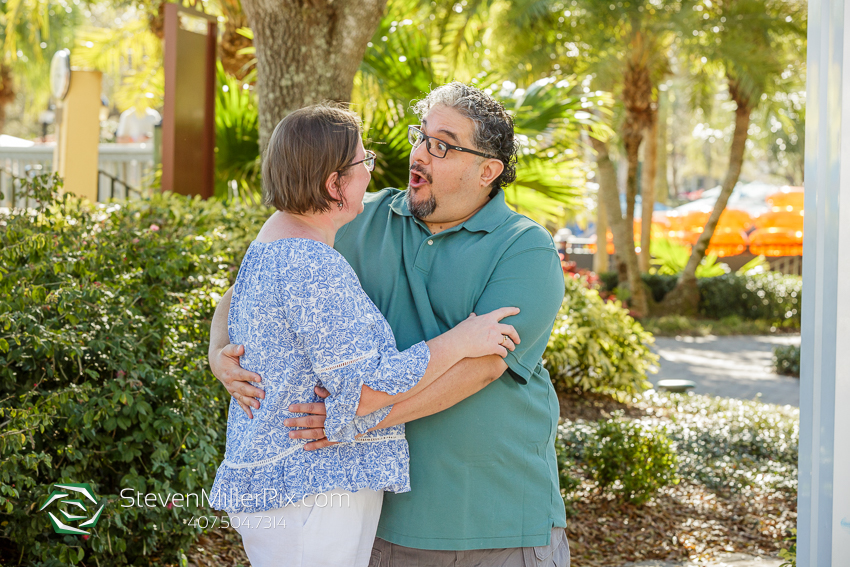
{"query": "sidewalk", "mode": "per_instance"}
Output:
(732, 367)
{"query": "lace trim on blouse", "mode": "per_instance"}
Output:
(369, 354)
(291, 450)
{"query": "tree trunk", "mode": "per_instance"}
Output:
(307, 51)
(600, 259)
(7, 92)
(625, 258)
(684, 298)
(662, 189)
(647, 191)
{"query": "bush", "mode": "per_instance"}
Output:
(770, 296)
(727, 444)
(786, 360)
(596, 345)
(628, 458)
(104, 380)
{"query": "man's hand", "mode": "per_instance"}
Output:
(313, 424)
(224, 363)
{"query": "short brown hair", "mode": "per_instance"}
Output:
(305, 148)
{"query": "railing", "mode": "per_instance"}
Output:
(124, 170)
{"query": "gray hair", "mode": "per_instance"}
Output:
(494, 127)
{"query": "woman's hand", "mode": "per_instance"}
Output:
(483, 335)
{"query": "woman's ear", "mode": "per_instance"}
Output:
(490, 170)
(332, 184)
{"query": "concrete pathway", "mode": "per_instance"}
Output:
(732, 367)
(728, 560)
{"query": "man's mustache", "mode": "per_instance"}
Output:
(418, 169)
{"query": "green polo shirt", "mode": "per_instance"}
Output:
(483, 473)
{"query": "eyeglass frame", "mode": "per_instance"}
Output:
(426, 138)
(370, 155)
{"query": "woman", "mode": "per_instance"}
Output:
(298, 308)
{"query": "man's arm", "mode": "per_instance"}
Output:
(462, 380)
(224, 361)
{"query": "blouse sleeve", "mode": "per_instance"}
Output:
(344, 336)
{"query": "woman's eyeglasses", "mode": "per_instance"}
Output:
(369, 161)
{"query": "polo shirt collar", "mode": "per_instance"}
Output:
(487, 219)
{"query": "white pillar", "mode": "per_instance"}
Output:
(823, 525)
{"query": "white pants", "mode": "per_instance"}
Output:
(331, 529)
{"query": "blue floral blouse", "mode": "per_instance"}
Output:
(299, 310)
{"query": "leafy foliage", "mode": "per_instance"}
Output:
(670, 259)
(769, 296)
(103, 378)
(596, 345)
(407, 58)
(728, 444)
(786, 360)
(237, 134)
(629, 458)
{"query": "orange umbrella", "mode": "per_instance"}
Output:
(788, 199)
(781, 218)
(777, 241)
(727, 241)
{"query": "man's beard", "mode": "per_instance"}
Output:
(421, 209)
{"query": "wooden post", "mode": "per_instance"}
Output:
(188, 117)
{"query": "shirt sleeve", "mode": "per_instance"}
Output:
(533, 280)
(344, 336)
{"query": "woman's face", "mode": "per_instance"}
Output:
(355, 182)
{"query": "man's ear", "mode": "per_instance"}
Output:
(332, 185)
(490, 170)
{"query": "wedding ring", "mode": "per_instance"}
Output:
(504, 338)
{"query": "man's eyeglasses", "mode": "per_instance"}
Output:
(369, 161)
(435, 146)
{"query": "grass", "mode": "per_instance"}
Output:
(677, 325)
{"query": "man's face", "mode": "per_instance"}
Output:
(443, 190)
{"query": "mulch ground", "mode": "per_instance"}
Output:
(683, 522)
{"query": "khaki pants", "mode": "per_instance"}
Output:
(556, 554)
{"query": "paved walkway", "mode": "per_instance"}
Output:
(732, 367)
(729, 560)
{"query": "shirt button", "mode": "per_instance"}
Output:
(430, 243)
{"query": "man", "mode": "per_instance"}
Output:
(483, 469)
(135, 126)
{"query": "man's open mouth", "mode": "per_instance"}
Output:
(417, 180)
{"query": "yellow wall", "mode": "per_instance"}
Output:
(79, 132)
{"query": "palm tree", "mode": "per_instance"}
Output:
(623, 49)
(408, 57)
(752, 43)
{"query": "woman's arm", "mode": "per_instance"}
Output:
(475, 337)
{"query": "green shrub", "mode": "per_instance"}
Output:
(790, 554)
(629, 458)
(103, 377)
(786, 360)
(769, 296)
(596, 345)
(728, 444)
